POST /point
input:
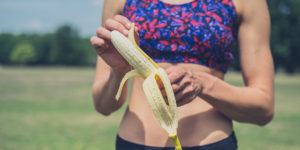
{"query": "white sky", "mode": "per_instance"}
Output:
(40, 16)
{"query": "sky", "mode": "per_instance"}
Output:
(41, 16)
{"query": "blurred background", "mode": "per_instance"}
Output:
(47, 67)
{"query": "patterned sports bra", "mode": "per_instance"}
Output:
(201, 31)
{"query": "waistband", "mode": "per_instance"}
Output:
(229, 143)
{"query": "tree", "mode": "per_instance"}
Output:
(43, 45)
(285, 16)
(66, 47)
(23, 54)
(7, 43)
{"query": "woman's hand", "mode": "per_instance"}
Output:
(103, 46)
(185, 85)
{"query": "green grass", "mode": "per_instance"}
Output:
(284, 130)
(52, 109)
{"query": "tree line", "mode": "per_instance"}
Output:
(66, 47)
(63, 47)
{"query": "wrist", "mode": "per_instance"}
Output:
(119, 73)
(205, 83)
(209, 85)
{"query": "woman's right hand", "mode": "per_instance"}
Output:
(103, 46)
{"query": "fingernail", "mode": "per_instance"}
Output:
(125, 31)
(128, 25)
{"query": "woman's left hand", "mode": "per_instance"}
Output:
(184, 84)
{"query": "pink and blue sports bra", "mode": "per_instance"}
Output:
(200, 32)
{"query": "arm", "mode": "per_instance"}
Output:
(253, 103)
(111, 67)
(105, 87)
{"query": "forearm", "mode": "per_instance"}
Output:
(245, 104)
(104, 92)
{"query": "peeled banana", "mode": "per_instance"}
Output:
(147, 69)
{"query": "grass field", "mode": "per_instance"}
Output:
(52, 109)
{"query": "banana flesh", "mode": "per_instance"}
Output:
(147, 69)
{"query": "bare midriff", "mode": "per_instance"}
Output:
(198, 122)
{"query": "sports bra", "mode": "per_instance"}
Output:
(200, 32)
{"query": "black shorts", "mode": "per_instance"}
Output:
(229, 143)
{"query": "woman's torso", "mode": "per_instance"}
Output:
(199, 123)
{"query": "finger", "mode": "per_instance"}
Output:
(175, 73)
(123, 20)
(111, 25)
(103, 33)
(174, 68)
(176, 76)
(98, 44)
(186, 92)
(175, 88)
(181, 84)
(169, 70)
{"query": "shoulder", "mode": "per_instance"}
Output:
(246, 8)
(112, 8)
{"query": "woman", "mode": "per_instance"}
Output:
(191, 40)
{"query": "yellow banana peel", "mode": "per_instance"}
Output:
(147, 69)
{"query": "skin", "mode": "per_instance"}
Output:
(206, 104)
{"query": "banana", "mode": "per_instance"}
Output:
(147, 69)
